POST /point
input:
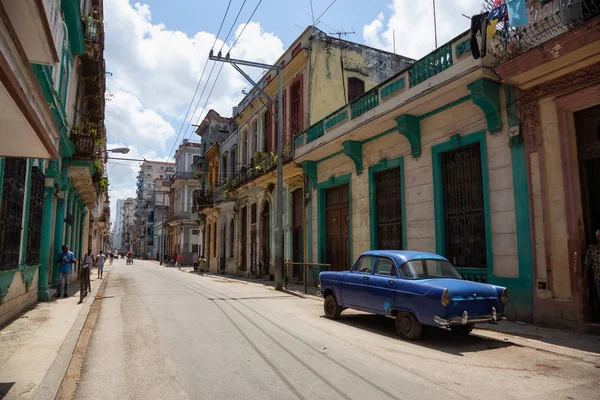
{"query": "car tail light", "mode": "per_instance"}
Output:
(445, 298)
(504, 296)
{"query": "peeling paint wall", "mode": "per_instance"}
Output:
(329, 88)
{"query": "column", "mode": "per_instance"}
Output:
(46, 259)
(59, 229)
(75, 230)
(68, 197)
(82, 231)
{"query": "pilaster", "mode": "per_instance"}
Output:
(45, 246)
(59, 228)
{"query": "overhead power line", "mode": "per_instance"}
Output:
(232, 26)
(199, 82)
(323, 13)
(244, 28)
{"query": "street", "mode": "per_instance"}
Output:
(164, 333)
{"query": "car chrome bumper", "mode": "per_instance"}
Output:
(464, 319)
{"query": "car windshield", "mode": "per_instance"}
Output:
(425, 269)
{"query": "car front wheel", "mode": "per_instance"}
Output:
(462, 329)
(331, 307)
(408, 326)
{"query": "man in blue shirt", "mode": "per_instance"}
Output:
(65, 260)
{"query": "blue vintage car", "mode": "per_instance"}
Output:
(414, 287)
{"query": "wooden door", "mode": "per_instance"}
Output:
(243, 232)
(297, 231)
(266, 239)
(338, 228)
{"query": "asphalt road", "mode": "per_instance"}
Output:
(167, 334)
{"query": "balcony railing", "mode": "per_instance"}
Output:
(84, 144)
(181, 175)
(546, 20)
(92, 30)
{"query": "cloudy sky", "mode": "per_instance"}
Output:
(156, 50)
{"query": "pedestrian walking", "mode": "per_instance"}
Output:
(179, 259)
(195, 262)
(100, 264)
(592, 260)
(65, 259)
(201, 264)
(111, 258)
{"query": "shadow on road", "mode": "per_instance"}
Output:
(433, 338)
(5, 387)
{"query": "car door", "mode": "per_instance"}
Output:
(382, 288)
(355, 286)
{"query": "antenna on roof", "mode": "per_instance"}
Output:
(345, 33)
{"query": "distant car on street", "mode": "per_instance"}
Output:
(414, 287)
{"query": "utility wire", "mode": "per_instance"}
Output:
(232, 26)
(244, 28)
(198, 85)
(323, 13)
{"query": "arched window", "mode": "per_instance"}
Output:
(356, 87)
(233, 162)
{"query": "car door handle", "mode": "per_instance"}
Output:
(391, 281)
(365, 278)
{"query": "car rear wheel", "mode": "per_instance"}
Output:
(408, 326)
(331, 308)
(462, 329)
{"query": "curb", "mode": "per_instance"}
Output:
(61, 380)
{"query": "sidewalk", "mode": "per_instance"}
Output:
(581, 346)
(36, 348)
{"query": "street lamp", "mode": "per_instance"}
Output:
(120, 150)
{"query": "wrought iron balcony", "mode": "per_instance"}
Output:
(84, 144)
(93, 30)
(181, 175)
(546, 20)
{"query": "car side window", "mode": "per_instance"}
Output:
(386, 267)
(412, 269)
(365, 265)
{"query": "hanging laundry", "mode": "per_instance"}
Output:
(499, 12)
(491, 28)
(517, 12)
(497, 3)
(479, 24)
(506, 35)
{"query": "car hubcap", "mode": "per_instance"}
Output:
(329, 306)
(405, 324)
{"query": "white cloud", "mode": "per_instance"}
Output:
(412, 23)
(154, 72)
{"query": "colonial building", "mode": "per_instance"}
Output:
(161, 212)
(147, 193)
(52, 180)
(129, 228)
(182, 224)
(320, 74)
(554, 70)
(118, 228)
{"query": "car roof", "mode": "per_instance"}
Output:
(402, 256)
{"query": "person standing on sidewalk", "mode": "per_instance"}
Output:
(195, 262)
(592, 259)
(65, 259)
(100, 263)
(179, 259)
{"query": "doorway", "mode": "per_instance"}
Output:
(297, 233)
(587, 128)
(389, 209)
(243, 225)
(338, 228)
(266, 239)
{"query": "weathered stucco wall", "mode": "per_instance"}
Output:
(329, 84)
(465, 119)
(18, 299)
(555, 198)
